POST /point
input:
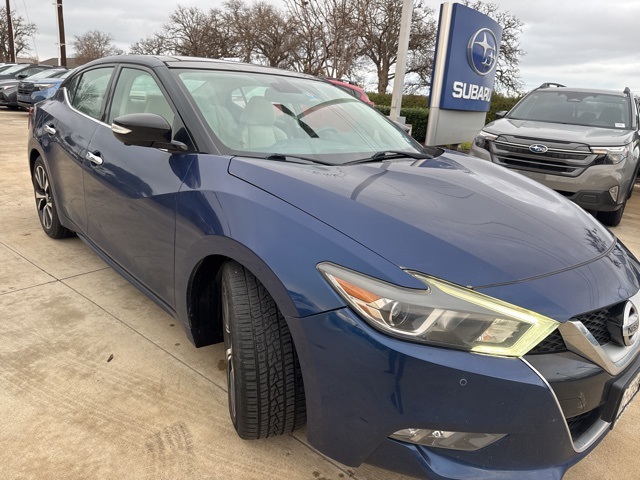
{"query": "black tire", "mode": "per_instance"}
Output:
(45, 205)
(265, 389)
(613, 218)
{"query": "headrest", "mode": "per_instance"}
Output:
(258, 112)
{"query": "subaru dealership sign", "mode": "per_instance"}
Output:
(463, 76)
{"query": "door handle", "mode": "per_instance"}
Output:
(93, 158)
(49, 129)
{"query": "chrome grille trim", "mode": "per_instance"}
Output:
(556, 161)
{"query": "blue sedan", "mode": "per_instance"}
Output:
(418, 309)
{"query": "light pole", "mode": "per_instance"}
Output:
(62, 59)
(12, 48)
(401, 64)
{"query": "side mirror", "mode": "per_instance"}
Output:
(20, 76)
(145, 130)
(501, 114)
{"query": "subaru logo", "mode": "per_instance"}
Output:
(630, 324)
(482, 51)
(538, 148)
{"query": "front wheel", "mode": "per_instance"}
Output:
(613, 218)
(264, 381)
(47, 212)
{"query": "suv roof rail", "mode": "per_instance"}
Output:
(627, 91)
(551, 84)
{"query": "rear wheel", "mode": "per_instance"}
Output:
(45, 205)
(265, 389)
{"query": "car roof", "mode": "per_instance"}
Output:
(154, 61)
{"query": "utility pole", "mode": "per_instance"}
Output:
(12, 48)
(401, 64)
(62, 58)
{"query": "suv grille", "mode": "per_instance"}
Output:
(25, 88)
(568, 159)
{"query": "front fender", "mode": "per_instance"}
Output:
(221, 215)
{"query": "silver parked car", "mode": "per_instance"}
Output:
(583, 143)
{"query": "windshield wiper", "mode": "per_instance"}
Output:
(391, 155)
(281, 157)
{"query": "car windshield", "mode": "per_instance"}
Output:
(13, 69)
(4, 68)
(49, 73)
(262, 115)
(575, 108)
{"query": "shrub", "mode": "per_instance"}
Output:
(499, 103)
(416, 117)
(408, 101)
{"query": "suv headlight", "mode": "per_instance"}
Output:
(441, 314)
(613, 155)
(44, 86)
(483, 138)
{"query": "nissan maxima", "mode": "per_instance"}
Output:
(417, 309)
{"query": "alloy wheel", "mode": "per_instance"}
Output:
(44, 200)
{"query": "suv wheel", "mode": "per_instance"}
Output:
(613, 218)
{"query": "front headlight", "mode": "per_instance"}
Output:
(44, 86)
(441, 314)
(613, 155)
(483, 138)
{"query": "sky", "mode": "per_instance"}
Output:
(580, 43)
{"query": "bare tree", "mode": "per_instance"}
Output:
(381, 33)
(330, 32)
(22, 33)
(92, 45)
(261, 33)
(192, 32)
(507, 68)
(156, 44)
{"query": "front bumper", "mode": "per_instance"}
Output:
(362, 386)
(590, 189)
(8, 100)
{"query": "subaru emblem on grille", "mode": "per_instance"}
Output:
(538, 148)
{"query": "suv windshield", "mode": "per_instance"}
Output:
(575, 108)
(261, 115)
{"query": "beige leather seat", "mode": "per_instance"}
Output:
(257, 129)
(220, 119)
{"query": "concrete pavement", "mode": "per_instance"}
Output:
(97, 382)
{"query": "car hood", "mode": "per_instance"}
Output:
(559, 132)
(454, 217)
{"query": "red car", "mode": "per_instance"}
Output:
(351, 89)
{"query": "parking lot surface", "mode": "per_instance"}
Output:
(97, 382)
